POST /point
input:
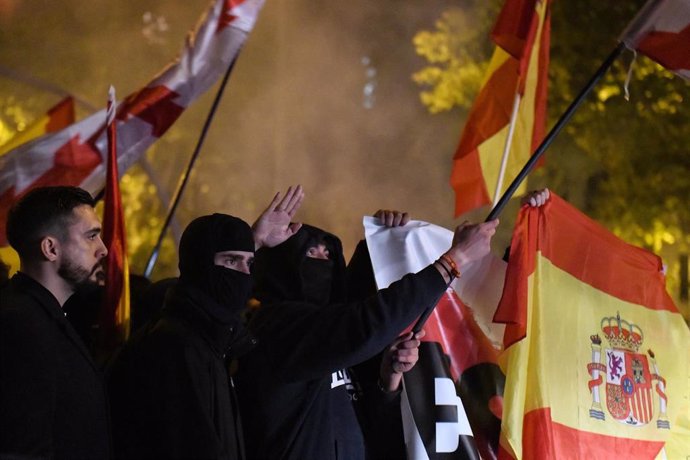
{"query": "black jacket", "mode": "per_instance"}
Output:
(170, 391)
(293, 392)
(52, 400)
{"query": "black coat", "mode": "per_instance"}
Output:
(291, 392)
(52, 400)
(170, 391)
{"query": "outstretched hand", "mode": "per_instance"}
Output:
(274, 224)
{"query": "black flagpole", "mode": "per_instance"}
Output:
(508, 194)
(185, 175)
(510, 191)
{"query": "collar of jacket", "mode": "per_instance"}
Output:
(51, 306)
(224, 333)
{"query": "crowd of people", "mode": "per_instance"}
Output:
(313, 372)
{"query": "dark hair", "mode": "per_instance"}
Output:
(40, 212)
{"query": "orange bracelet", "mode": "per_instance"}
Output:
(453, 268)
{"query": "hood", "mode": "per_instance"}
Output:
(277, 270)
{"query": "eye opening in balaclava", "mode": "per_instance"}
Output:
(202, 239)
(279, 271)
(316, 274)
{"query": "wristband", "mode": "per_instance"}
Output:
(453, 268)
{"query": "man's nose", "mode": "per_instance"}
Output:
(245, 268)
(321, 253)
(102, 251)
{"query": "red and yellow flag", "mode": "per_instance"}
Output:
(519, 66)
(57, 118)
(596, 353)
(116, 314)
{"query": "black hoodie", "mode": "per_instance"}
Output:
(294, 392)
(170, 392)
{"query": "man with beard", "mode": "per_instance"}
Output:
(170, 392)
(294, 388)
(52, 400)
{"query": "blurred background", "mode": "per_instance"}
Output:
(362, 103)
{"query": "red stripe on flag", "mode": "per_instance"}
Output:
(573, 247)
(155, 105)
(670, 49)
(114, 239)
(541, 92)
(61, 115)
(515, 27)
(452, 325)
(544, 438)
(489, 114)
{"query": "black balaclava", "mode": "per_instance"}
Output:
(285, 273)
(201, 240)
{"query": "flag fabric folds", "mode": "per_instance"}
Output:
(519, 66)
(661, 31)
(77, 154)
(58, 117)
(451, 407)
(114, 325)
(596, 353)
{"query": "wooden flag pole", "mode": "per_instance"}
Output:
(506, 147)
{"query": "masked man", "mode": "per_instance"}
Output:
(295, 387)
(170, 392)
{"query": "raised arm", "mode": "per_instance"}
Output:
(274, 225)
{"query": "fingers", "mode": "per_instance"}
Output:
(536, 198)
(391, 218)
(295, 201)
(274, 202)
(294, 227)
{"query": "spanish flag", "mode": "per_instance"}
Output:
(518, 68)
(596, 354)
(116, 311)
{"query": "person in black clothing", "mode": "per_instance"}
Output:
(170, 392)
(52, 399)
(294, 388)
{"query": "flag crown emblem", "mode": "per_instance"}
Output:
(622, 334)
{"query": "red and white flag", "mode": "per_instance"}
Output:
(77, 154)
(661, 31)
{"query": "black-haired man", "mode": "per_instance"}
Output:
(52, 400)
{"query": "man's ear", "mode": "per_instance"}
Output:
(50, 248)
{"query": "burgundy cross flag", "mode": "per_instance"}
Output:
(452, 399)
(661, 31)
(77, 154)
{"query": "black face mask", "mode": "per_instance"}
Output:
(317, 280)
(230, 288)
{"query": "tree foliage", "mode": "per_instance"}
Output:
(637, 183)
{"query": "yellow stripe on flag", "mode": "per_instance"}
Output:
(596, 375)
(490, 151)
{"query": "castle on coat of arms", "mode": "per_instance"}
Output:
(630, 380)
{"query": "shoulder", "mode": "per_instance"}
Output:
(21, 311)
